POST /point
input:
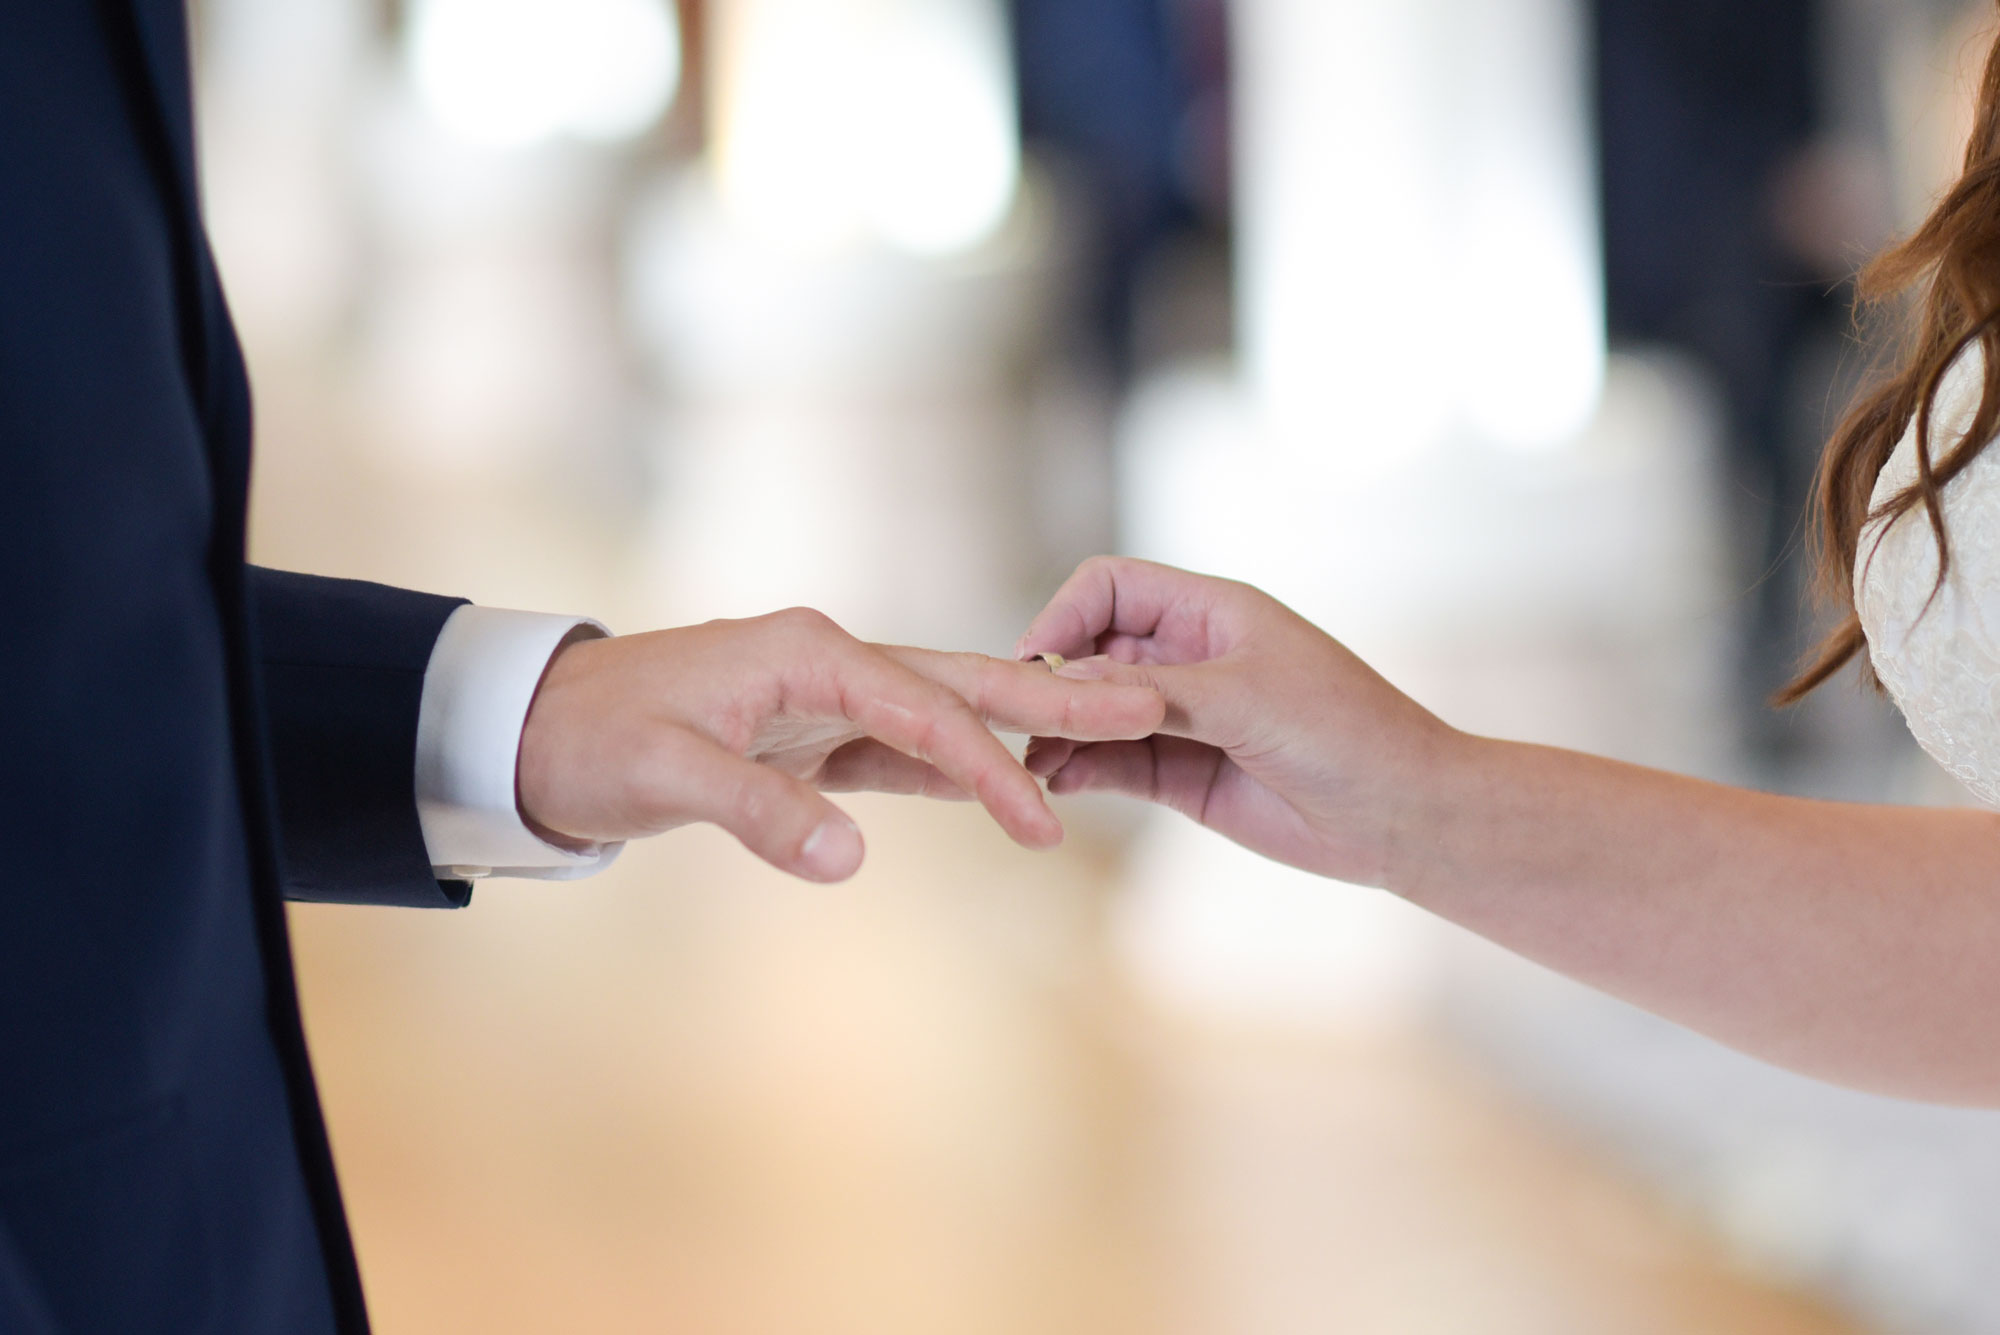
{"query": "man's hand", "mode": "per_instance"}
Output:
(1275, 736)
(740, 722)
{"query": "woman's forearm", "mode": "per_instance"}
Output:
(1858, 943)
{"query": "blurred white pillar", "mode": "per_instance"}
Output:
(1417, 223)
(1421, 312)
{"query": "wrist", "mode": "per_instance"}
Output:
(484, 673)
(542, 738)
(1439, 793)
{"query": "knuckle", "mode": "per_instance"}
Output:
(801, 621)
(987, 679)
(753, 804)
(925, 742)
(991, 787)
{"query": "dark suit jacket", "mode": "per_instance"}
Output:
(183, 739)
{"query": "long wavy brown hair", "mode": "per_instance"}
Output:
(1945, 281)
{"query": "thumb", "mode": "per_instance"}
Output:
(782, 820)
(1194, 702)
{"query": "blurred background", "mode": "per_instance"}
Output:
(1498, 336)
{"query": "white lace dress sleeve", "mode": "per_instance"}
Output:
(1941, 662)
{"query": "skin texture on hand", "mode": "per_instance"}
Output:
(746, 723)
(1276, 736)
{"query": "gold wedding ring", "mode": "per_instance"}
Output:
(1056, 662)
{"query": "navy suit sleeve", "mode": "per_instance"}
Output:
(343, 675)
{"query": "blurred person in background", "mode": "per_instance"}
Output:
(190, 740)
(1859, 944)
(1708, 113)
(1131, 98)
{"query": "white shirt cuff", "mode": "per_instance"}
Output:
(482, 677)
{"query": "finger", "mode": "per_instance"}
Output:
(780, 819)
(1171, 771)
(1028, 698)
(867, 766)
(1128, 648)
(1046, 755)
(1112, 594)
(1195, 706)
(922, 719)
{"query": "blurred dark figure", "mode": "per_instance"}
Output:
(1129, 98)
(1717, 191)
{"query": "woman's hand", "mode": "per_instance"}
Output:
(1857, 943)
(741, 722)
(1276, 736)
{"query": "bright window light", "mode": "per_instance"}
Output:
(1527, 237)
(890, 120)
(511, 73)
(1419, 227)
(941, 174)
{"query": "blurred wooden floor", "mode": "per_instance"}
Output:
(691, 1097)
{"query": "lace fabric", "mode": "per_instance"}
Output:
(1941, 662)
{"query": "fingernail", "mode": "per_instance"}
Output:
(832, 852)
